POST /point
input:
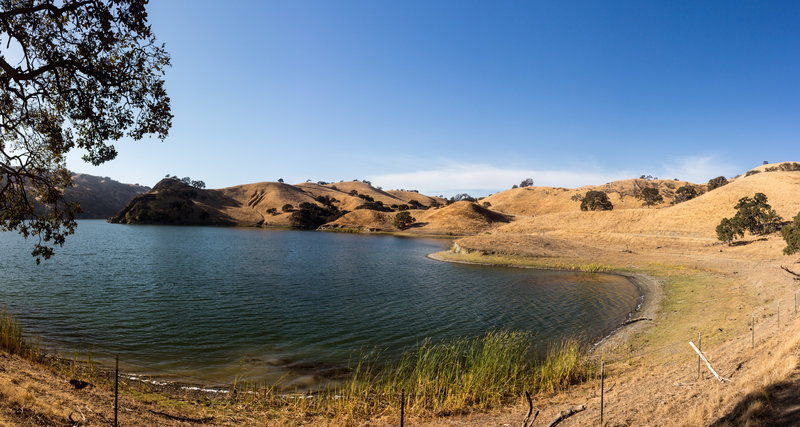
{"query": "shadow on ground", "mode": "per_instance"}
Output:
(776, 405)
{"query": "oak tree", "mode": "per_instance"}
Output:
(73, 74)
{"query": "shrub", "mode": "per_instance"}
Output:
(287, 207)
(596, 201)
(717, 182)
(375, 206)
(727, 230)
(526, 183)
(687, 192)
(487, 204)
(791, 234)
(413, 204)
(403, 220)
(756, 215)
(311, 216)
(402, 207)
(326, 200)
(752, 214)
(272, 211)
(786, 167)
(461, 197)
(650, 196)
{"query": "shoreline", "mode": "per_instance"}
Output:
(649, 288)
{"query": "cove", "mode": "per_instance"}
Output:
(210, 304)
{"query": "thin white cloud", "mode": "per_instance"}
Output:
(698, 169)
(482, 179)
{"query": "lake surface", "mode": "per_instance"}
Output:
(208, 304)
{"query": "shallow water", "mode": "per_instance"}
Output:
(208, 304)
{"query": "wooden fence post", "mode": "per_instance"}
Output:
(116, 390)
(602, 389)
(402, 405)
(700, 346)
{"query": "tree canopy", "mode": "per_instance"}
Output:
(717, 182)
(753, 214)
(596, 201)
(74, 74)
(687, 192)
(791, 234)
(403, 220)
(650, 196)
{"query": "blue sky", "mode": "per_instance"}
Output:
(446, 97)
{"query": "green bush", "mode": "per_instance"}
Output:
(791, 234)
(596, 201)
(717, 182)
(687, 192)
(752, 214)
(650, 196)
(311, 216)
(403, 220)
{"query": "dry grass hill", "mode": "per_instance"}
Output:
(520, 210)
(260, 204)
(100, 197)
(694, 218)
(544, 200)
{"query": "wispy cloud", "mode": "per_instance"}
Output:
(482, 179)
(697, 169)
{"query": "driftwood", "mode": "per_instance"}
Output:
(566, 414)
(700, 353)
(185, 419)
(638, 319)
(797, 276)
(527, 422)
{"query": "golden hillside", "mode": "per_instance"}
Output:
(257, 204)
(544, 200)
(694, 218)
(460, 218)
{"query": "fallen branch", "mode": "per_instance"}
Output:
(638, 319)
(526, 422)
(185, 419)
(566, 414)
(791, 272)
(699, 353)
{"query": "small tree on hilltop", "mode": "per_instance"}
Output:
(403, 220)
(791, 234)
(526, 183)
(650, 196)
(596, 201)
(717, 182)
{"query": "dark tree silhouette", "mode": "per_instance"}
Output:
(74, 74)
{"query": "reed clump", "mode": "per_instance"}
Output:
(12, 339)
(443, 378)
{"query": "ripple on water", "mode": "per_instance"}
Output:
(214, 303)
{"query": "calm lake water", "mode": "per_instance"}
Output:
(208, 304)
